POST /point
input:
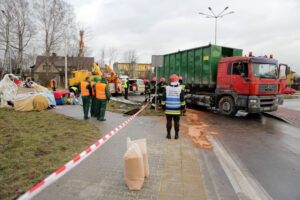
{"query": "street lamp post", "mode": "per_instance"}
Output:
(213, 15)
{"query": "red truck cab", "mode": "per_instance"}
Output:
(253, 84)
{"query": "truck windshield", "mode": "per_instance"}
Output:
(264, 70)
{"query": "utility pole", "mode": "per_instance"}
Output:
(66, 62)
(213, 15)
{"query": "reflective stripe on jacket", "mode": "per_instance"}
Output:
(100, 90)
(84, 90)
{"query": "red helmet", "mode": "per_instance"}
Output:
(163, 79)
(173, 78)
(105, 75)
(180, 78)
(154, 79)
(145, 81)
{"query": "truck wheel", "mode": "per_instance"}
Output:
(227, 107)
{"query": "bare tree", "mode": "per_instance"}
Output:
(130, 57)
(112, 55)
(53, 17)
(6, 22)
(22, 31)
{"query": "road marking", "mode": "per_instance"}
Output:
(242, 181)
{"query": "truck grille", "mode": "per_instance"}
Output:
(267, 88)
(267, 101)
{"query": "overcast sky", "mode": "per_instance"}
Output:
(153, 27)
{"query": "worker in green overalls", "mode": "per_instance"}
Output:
(85, 89)
(93, 97)
(102, 96)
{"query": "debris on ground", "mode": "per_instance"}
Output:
(126, 101)
(198, 130)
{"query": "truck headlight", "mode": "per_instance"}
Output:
(253, 100)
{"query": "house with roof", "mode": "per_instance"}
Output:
(46, 68)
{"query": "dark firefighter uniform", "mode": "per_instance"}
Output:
(153, 95)
(102, 95)
(173, 102)
(85, 89)
(160, 90)
(185, 89)
(147, 91)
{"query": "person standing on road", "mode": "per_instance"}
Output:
(160, 89)
(147, 90)
(53, 84)
(85, 89)
(126, 88)
(173, 103)
(102, 95)
(153, 94)
(93, 97)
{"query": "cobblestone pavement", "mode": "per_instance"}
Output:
(174, 170)
(289, 115)
(100, 176)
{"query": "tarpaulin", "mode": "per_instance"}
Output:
(58, 94)
(8, 88)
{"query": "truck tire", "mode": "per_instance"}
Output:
(227, 107)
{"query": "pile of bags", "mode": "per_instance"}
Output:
(136, 167)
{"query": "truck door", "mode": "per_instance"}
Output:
(239, 78)
(283, 68)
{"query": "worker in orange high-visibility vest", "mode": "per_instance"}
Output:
(102, 96)
(86, 92)
(53, 84)
(93, 97)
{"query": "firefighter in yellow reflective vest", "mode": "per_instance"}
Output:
(102, 95)
(126, 88)
(93, 97)
(85, 89)
(173, 103)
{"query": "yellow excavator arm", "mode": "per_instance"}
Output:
(96, 69)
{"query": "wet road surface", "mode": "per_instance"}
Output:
(266, 148)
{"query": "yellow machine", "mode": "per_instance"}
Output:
(114, 82)
(81, 75)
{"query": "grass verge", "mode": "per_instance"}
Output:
(120, 107)
(35, 144)
(288, 96)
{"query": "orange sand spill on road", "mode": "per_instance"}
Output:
(197, 130)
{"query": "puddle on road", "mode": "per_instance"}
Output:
(197, 130)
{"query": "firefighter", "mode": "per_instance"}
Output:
(173, 103)
(126, 88)
(184, 88)
(160, 88)
(53, 84)
(102, 96)
(85, 89)
(153, 94)
(147, 90)
(93, 97)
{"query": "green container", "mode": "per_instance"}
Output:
(198, 66)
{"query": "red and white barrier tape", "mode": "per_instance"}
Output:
(75, 161)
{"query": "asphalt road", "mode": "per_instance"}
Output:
(266, 148)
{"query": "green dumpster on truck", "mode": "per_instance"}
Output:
(197, 66)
